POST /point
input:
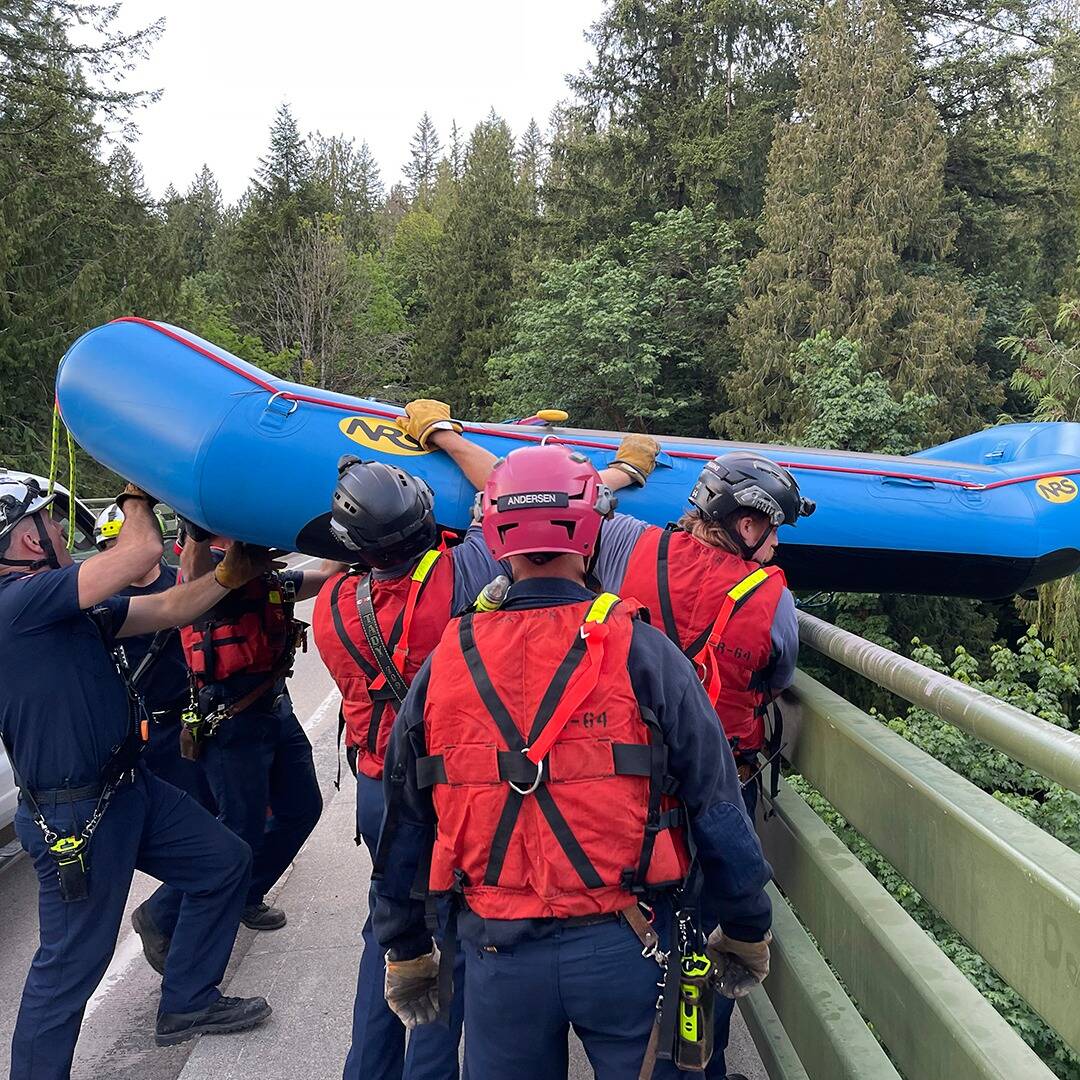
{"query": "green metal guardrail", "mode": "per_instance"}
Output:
(1011, 890)
(1042, 746)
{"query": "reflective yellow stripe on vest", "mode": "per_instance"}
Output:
(748, 584)
(601, 607)
(423, 567)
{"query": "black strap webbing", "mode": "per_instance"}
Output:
(630, 759)
(663, 587)
(157, 647)
(376, 642)
(346, 641)
(505, 723)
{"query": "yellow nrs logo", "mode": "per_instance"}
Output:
(1057, 489)
(378, 433)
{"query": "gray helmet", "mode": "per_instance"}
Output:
(20, 498)
(382, 512)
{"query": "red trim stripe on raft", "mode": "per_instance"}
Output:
(521, 436)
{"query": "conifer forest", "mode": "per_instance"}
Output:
(851, 225)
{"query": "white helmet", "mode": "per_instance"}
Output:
(110, 521)
(20, 498)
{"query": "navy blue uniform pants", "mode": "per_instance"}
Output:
(520, 1004)
(262, 778)
(162, 757)
(378, 1050)
(153, 827)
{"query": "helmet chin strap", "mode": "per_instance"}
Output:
(50, 560)
(745, 550)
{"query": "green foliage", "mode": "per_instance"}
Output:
(411, 261)
(80, 242)
(1032, 677)
(677, 109)
(631, 334)
(471, 287)
(1047, 378)
(854, 226)
(210, 320)
(850, 408)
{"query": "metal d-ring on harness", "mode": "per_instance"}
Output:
(539, 776)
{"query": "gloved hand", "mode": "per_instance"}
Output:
(424, 416)
(740, 965)
(243, 563)
(196, 532)
(636, 457)
(412, 989)
(132, 492)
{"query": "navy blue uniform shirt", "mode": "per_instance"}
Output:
(165, 684)
(734, 868)
(63, 705)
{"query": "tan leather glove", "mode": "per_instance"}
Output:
(412, 989)
(636, 457)
(424, 416)
(740, 965)
(243, 563)
(132, 492)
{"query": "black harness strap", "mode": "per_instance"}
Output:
(339, 625)
(657, 773)
(376, 642)
(500, 841)
(567, 840)
(508, 729)
(557, 687)
(663, 586)
(629, 759)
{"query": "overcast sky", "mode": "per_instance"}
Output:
(366, 69)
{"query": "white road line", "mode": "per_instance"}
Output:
(327, 703)
(304, 562)
(130, 948)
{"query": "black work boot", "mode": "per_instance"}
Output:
(263, 917)
(225, 1015)
(155, 945)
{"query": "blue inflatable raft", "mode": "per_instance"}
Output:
(252, 456)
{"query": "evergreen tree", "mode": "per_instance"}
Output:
(676, 109)
(349, 178)
(286, 168)
(426, 148)
(193, 221)
(77, 246)
(472, 286)
(530, 165)
(854, 226)
(457, 153)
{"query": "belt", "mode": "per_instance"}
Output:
(589, 920)
(74, 794)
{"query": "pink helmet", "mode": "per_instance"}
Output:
(544, 498)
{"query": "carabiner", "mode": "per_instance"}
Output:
(535, 783)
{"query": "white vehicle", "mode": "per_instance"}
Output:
(82, 522)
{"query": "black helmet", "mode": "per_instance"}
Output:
(382, 512)
(745, 481)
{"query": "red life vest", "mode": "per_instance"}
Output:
(588, 827)
(250, 632)
(423, 599)
(719, 610)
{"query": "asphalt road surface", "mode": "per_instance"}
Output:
(307, 970)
